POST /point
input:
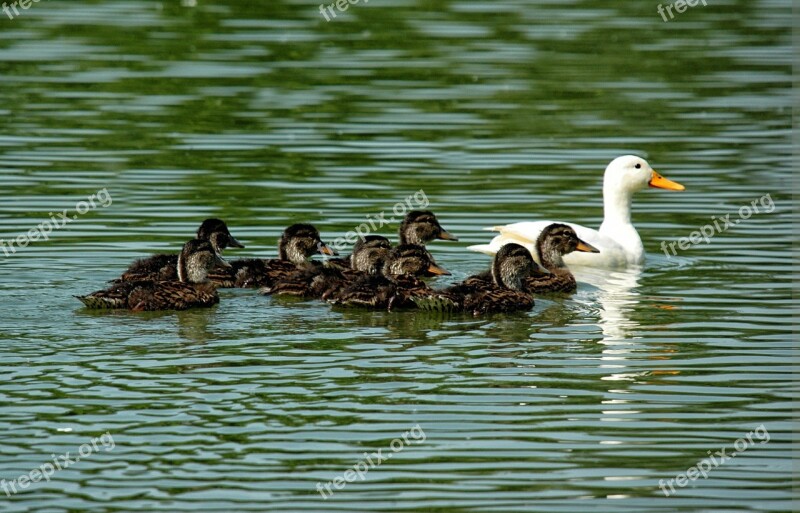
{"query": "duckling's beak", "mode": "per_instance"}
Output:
(659, 182)
(586, 247)
(221, 262)
(324, 249)
(445, 235)
(435, 270)
(539, 270)
(233, 243)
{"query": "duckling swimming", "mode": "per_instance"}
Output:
(297, 243)
(319, 281)
(399, 279)
(418, 227)
(507, 291)
(165, 267)
(192, 289)
(555, 241)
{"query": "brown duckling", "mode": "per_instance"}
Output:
(165, 267)
(420, 227)
(555, 241)
(319, 281)
(297, 243)
(191, 289)
(399, 279)
(507, 291)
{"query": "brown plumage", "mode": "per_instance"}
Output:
(399, 279)
(165, 267)
(506, 292)
(192, 288)
(320, 281)
(555, 241)
(297, 243)
(375, 243)
(419, 227)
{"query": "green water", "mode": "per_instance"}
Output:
(264, 114)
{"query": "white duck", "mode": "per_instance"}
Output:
(618, 241)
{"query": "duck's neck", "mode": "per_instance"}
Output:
(410, 236)
(291, 251)
(616, 206)
(190, 271)
(507, 276)
(617, 221)
(550, 256)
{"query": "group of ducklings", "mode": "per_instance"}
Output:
(376, 274)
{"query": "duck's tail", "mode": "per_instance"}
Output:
(101, 303)
(436, 303)
(486, 249)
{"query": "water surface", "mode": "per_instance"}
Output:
(265, 114)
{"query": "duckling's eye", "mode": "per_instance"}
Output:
(638, 166)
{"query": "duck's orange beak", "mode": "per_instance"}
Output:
(324, 249)
(435, 270)
(659, 182)
(445, 235)
(586, 247)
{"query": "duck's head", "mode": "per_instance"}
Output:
(629, 173)
(420, 227)
(197, 258)
(411, 259)
(557, 240)
(370, 254)
(512, 265)
(212, 226)
(300, 241)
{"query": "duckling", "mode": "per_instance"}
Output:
(555, 241)
(399, 279)
(507, 291)
(319, 281)
(420, 227)
(297, 243)
(370, 254)
(192, 289)
(165, 267)
(372, 241)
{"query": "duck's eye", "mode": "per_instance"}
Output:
(638, 166)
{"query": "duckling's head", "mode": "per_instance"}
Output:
(420, 227)
(511, 266)
(224, 240)
(370, 253)
(557, 240)
(411, 259)
(197, 258)
(629, 173)
(300, 241)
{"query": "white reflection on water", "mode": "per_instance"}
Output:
(616, 296)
